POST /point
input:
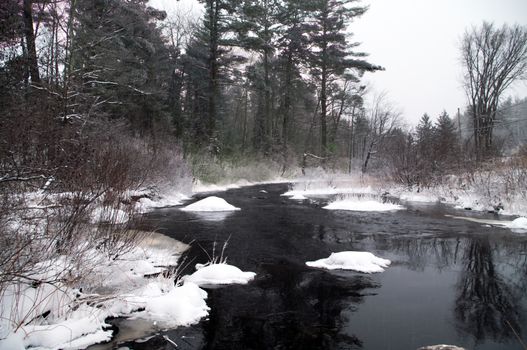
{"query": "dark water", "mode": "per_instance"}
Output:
(451, 281)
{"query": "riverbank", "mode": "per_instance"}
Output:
(138, 284)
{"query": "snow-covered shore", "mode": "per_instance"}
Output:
(357, 193)
(41, 311)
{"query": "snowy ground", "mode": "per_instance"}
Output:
(56, 316)
(366, 194)
(117, 288)
(35, 313)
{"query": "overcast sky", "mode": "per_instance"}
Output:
(417, 41)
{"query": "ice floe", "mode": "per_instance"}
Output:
(349, 260)
(211, 203)
(362, 205)
(221, 273)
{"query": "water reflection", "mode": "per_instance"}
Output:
(486, 305)
(215, 216)
(289, 309)
(491, 283)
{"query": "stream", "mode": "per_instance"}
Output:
(451, 281)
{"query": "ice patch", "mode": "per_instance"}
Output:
(210, 204)
(219, 274)
(357, 261)
(362, 205)
(517, 225)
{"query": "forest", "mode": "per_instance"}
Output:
(106, 102)
(265, 81)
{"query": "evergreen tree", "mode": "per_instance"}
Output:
(446, 143)
(216, 24)
(121, 61)
(331, 56)
(425, 148)
(256, 24)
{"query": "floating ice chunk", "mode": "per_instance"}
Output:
(441, 347)
(298, 197)
(362, 205)
(212, 203)
(219, 274)
(519, 223)
(357, 261)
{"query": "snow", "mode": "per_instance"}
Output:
(298, 196)
(349, 260)
(221, 273)
(421, 198)
(212, 203)
(516, 225)
(181, 306)
(116, 288)
(519, 223)
(167, 199)
(108, 214)
(328, 191)
(362, 205)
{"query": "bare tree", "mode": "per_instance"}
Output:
(383, 119)
(493, 58)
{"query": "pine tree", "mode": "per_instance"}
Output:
(425, 148)
(331, 56)
(121, 60)
(256, 24)
(446, 143)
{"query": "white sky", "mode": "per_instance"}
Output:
(417, 41)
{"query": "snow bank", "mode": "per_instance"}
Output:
(421, 198)
(118, 288)
(328, 191)
(219, 274)
(167, 199)
(362, 205)
(357, 261)
(212, 203)
(180, 306)
(109, 214)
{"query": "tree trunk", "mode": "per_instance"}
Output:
(29, 34)
(213, 68)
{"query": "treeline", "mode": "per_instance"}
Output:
(254, 79)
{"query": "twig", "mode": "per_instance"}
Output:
(517, 335)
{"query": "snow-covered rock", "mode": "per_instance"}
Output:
(362, 205)
(519, 223)
(219, 274)
(212, 203)
(298, 197)
(441, 347)
(181, 306)
(357, 261)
